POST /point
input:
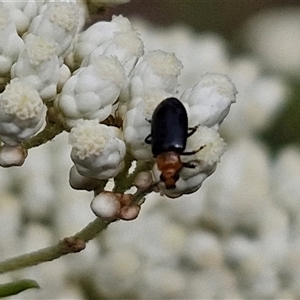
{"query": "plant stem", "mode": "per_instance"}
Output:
(52, 129)
(68, 245)
(13, 288)
(72, 244)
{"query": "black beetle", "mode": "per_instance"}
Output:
(169, 133)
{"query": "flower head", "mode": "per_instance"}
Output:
(97, 149)
(22, 113)
(91, 92)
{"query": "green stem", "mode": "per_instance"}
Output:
(53, 127)
(123, 181)
(50, 132)
(139, 196)
(13, 288)
(72, 244)
(121, 184)
(140, 167)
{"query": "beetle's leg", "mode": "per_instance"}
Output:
(192, 152)
(148, 139)
(148, 120)
(193, 130)
(189, 165)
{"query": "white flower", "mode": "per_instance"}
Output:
(97, 34)
(38, 65)
(22, 113)
(262, 96)
(97, 150)
(241, 187)
(143, 180)
(210, 100)
(199, 53)
(58, 24)
(286, 178)
(79, 182)
(11, 43)
(12, 156)
(155, 70)
(106, 205)
(91, 91)
(213, 147)
(273, 36)
(127, 47)
(22, 13)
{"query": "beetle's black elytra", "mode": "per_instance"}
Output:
(169, 133)
(169, 127)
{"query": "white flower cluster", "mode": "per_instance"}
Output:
(273, 36)
(207, 103)
(32, 63)
(88, 77)
(235, 238)
(91, 92)
(208, 52)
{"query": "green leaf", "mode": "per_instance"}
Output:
(13, 288)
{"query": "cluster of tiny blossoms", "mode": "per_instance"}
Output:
(101, 87)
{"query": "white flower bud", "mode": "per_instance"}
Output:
(11, 43)
(137, 122)
(106, 206)
(129, 212)
(58, 24)
(97, 151)
(127, 47)
(79, 182)
(210, 100)
(91, 91)
(38, 65)
(12, 156)
(143, 180)
(155, 70)
(22, 13)
(98, 34)
(22, 113)
(213, 147)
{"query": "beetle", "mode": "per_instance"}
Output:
(169, 133)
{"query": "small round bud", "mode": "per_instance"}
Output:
(79, 182)
(129, 212)
(106, 206)
(125, 199)
(143, 180)
(12, 156)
